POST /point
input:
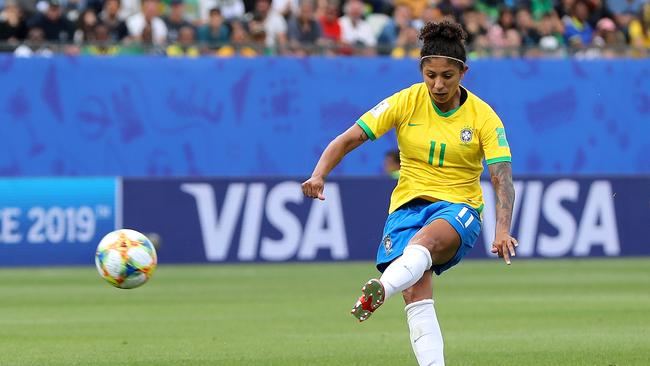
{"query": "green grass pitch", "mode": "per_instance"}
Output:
(552, 312)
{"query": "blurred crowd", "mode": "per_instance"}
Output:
(496, 28)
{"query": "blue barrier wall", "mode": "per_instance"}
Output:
(147, 116)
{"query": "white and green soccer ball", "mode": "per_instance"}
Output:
(126, 258)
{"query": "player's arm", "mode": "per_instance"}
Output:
(501, 176)
(331, 156)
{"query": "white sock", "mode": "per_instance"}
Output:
(406, 270)
(425, 334)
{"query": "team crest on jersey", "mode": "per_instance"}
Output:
(388, 244)
(466, 135)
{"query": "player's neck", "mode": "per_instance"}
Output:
(452, 103)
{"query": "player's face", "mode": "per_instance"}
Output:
(442, 77)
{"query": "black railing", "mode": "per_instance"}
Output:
(328, 49)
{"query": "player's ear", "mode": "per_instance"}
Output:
(464, 71)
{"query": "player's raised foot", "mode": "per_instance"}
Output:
(372, 297)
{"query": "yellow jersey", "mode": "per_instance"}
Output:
(441, 152)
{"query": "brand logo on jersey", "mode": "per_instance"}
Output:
(466, 135)
(388, 244)
(414, 124)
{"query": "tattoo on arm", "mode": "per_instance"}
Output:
(363, 136)
(501, 176)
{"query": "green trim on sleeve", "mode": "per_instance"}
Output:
(366, 129)
(499, 160)
(480, 208)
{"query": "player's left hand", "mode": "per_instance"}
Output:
(504, 246)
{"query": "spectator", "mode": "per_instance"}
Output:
(103, 45)
(416, 6)
(475, 24)
(239, 42)
(631, 7)
(230, 9)
(55, 27)
(191, 11)
(429, 14)
(117, 30)
(286, 8)
(563, 9)
(577, 32)
(527, 28)
(401, 19)
(610, 42)
(275, 27)
(503, 36)
(215, 32)
(407, 44)
(457, 7)
(304, 29)
(540, 7)
(639, 29)
(355, 31)
(95, 5)
(392, 164)
(551, 40)
(146, 26)
(321, 5)
(329, 22)
(175, 20)
(129, 8)
(185, 44)
(13, 27)
(598, 10)
(86, 26)
(383, 7)
(34, 45)
(28, 7)
(491, 8)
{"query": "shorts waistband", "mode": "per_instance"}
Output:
(416, 202)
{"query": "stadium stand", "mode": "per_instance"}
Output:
(189, 28)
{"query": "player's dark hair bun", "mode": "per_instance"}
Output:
(443, 39)
(447, 30)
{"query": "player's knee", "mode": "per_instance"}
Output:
(410, 296)
(421, 290)
(437, 248)
(416, 293)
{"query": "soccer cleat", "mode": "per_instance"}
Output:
(372, 297)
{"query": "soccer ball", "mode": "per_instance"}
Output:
(125, 258)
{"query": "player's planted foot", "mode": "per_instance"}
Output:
(372, 297)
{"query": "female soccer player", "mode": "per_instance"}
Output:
(443, 132)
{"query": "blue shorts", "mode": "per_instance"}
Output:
(402, 224)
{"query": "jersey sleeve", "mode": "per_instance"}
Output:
(382, 117)
(493, 140)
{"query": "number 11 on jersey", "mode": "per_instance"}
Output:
(441, 155)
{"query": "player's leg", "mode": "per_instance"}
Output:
(425, 334)
(442, 241)
(448, 238)
(434, 244)
(401, 274)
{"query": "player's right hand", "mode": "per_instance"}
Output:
(313, 187)
(504, 246)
